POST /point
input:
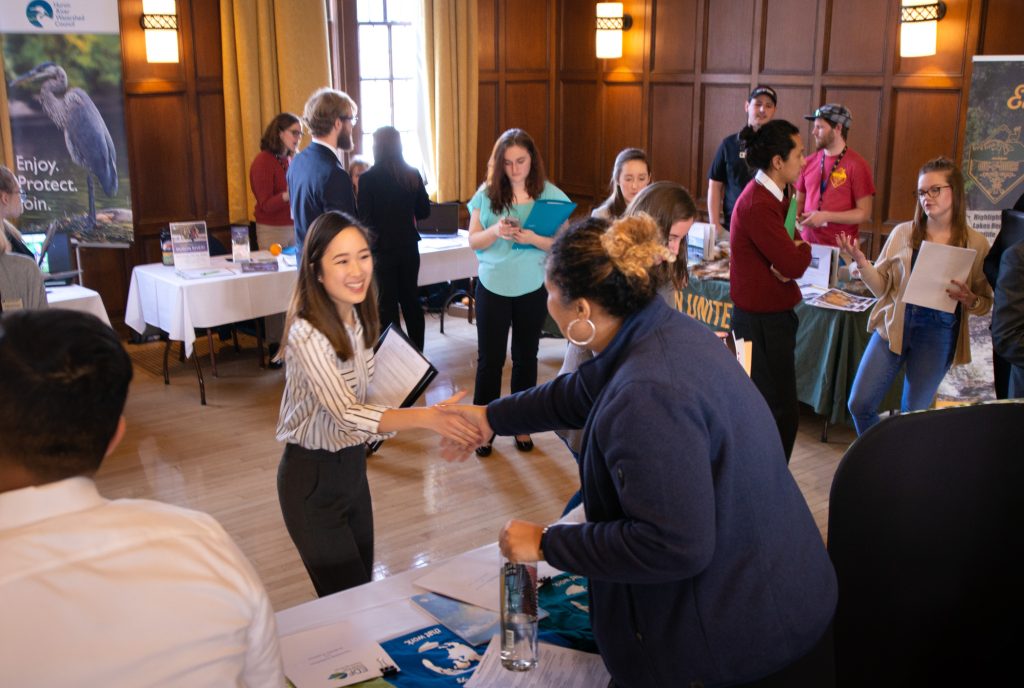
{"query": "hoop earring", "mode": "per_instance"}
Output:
(581, 342)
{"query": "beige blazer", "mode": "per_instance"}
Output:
(888, 278)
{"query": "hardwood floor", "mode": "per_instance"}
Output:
(222, 459)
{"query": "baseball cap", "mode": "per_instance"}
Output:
(760, 90)
(832, 112)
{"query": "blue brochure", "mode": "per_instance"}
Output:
(432, 657)
(546, 217)
(473, 624)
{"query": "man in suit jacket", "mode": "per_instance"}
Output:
(1008, 316)
(317, 180)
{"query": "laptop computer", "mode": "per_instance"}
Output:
(56, 263)
(442, 221)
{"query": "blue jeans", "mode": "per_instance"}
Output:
(929, 342)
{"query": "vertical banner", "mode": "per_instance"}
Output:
(993, 167)
(62, 66)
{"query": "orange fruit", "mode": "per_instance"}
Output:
(275, 249)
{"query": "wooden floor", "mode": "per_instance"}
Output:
(222, 459)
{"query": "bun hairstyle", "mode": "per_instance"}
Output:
(758, 147)
(612, 265)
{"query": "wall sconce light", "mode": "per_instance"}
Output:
(919, 27)
(611, 22)
(160, 22)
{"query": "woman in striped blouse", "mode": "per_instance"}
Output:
(328, 351)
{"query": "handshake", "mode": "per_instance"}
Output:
(462, 427)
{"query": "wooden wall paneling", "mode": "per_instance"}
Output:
(106, 271)
(487, 125)
(527, 104)
(163, 175)
(794, 103)
(730, 28)
(923, 126)
(576, 28)
(1000, 28)
(578, 135)
(671, 148)
(950, 58)
(865, 105)
(487, 36)
(789, 28)
(622, 125)
(856, 40)
(526, 35)
(214, 185)
(723, 115)
(674, 48)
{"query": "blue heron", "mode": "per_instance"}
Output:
(86, 135)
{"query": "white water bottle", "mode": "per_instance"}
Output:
(518, 615)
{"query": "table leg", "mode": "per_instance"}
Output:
(260, 325)
(824, 431)
(213, 357)
(199, 376)
(167, 351)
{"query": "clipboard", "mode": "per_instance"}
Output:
(545, 218)
(401, 373)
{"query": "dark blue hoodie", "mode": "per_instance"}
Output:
(704, 561)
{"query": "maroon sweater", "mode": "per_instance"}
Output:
(758, 241)
(267, 178)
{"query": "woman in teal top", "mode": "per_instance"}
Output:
(510, 290)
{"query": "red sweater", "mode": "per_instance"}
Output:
(758, 241)
(266, 176)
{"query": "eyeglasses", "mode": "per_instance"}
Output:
(351, 118)
(931, 192)
(294, 132)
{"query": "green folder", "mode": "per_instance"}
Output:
(791, 218)
(546, 217)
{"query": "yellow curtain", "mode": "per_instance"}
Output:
(275, 55)
(452, 82)
(6, 142)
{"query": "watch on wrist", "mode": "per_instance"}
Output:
(540, 544)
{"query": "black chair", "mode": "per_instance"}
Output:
(925, 532)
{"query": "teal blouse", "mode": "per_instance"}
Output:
(504, 270)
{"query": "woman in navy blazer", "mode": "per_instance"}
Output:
(705, 565)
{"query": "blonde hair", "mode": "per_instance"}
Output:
(324, 107)
(611, 265)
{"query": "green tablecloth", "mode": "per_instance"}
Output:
(829, 346)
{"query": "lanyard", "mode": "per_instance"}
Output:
(824, 179)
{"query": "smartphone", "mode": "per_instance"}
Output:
(514, 221)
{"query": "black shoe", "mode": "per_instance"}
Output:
(484, 450)
(524, 445)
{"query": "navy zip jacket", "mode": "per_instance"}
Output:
(704, 561)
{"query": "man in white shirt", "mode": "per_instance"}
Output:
(96, 592)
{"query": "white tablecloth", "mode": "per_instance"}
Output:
(76, 298)
(444, 259)
(157, 296)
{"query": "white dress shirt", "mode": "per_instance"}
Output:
(767, 182)
(126, 593)
(323, 406)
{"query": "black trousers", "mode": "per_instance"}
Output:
(773, 366)
(397, 272)
(325, 501)
(495, 314)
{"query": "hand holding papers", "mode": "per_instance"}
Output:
(936, 268)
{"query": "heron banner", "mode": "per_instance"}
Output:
(62, 69)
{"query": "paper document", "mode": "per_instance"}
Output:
(700, 243)
(839, 300)
(473, 624)
(473, 577)
(936, 265)
(556, 666)
(823, 271)
(400, 371)
(330, 657)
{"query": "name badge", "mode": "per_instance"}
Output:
(12, 305)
